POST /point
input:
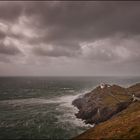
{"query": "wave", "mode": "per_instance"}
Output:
(70, 110)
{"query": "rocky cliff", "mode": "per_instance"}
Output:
(114, 107)
(104, 102)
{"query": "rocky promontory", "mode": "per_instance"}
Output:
(115, 110)
(104, 102)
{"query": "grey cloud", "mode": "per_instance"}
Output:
(2, 35)
(10, 11)
(79, 21)
(57, 51)
(86, 20)
(9, 49)
(76, 22)
(122, 50)
(4, 59)
(66, 25)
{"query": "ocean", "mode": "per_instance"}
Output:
(40, 107)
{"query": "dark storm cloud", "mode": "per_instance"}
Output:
(86, 20)
(76, 22)
(59, 22)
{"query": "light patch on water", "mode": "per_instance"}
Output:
(30, 101)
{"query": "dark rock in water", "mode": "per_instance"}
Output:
(102, 103)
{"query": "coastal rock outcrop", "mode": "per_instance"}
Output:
(103, 102)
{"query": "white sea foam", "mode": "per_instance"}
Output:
(70, 110)
(66, 99)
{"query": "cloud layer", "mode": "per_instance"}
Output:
(70, 38)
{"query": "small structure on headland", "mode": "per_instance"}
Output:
(103, 85)
(135, 98)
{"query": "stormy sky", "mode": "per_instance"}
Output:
(62, 38)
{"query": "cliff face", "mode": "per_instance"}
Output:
(124, 125)
(103, 102)
(114, 107)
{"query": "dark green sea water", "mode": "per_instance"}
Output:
(40, 107)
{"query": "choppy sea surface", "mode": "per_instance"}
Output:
(40, 107)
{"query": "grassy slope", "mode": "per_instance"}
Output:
(125, 125)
